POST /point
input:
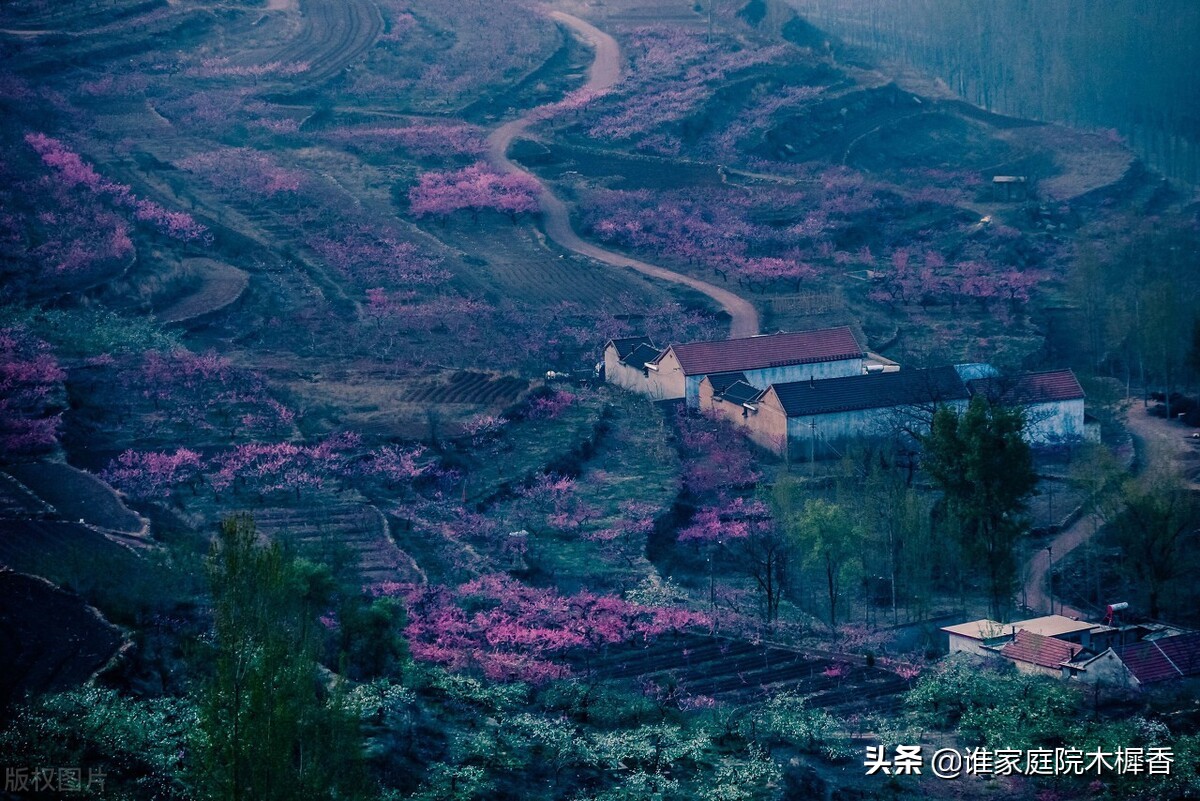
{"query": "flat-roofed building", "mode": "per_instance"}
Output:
(976, 636)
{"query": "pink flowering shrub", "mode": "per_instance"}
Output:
(474, 188)
(512, 632)
(244, 173)
(734, 519)
(72, 171)
(715, 455)
(30, 385)
(441, 140)
(378, 259)
(549, 407)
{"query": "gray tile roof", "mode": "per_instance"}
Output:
(873, 391)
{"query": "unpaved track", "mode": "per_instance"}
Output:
(1037, 586)
(1158, 440)
(335, 33)
(604, 72)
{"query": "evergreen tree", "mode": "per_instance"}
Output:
(985, 471)
(268, 729)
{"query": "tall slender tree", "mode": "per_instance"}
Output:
(268, 729)
(985, 471)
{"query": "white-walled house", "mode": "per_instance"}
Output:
(761, 361)
(1052, 402)
(976, 636)
(1137, 664)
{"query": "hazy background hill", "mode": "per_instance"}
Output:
(1124, 64)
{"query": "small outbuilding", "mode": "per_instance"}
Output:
(1010, 187)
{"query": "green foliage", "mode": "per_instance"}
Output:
(267, 729)
(1009, 710)
(787, 719)
(601, 704)
(1096, 472)
(461, 691)
(1156, 531)
(454, 783)
(742, 779)
(826, 537)
(371, 642)
(81, 332)
(571, 740)
(136, 743)
(1193, 357)
(1018, 711)
(985, 471)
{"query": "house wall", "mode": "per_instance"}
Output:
(761, 379)
(836, 429)
(969, 645)
(803, 372)
(735, 413)
(669, 380)
(1107, 670)
(1054, 422)
(635, 379)
(1036, 670)
(768, 425)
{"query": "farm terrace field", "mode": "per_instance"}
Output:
(303, 306)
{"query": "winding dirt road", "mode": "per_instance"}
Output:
(1157, 441)
(1037, 586)
(603, 73)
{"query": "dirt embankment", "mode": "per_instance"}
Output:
(50, 640)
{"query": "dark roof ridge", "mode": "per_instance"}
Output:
(870, 391)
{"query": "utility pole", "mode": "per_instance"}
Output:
(812, 450)
(1050, 575)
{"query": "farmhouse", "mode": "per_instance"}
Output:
(815, 418)
(1039, 654)
(1052, 402)
(761, 361)
(625, 365)
(1129, 656)
(1137, 664)
(986, 636)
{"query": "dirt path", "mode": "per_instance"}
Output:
(1160, 439)
(1037, 586)
(604, 72)
(1156, 439)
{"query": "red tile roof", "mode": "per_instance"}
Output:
(1047, 387)
(1038, 650)
(1162, 659)
(776, 350)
